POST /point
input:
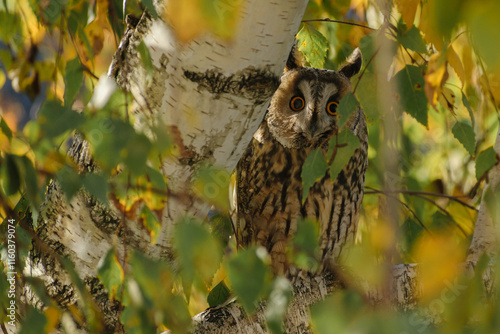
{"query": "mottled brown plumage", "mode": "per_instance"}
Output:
(269, 183)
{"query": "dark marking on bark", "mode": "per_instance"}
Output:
(250, 83)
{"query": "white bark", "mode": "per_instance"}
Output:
(486, 233)
(210, 95)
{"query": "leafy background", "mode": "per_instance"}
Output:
(429, 86)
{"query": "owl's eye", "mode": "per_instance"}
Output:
(331, 108)
(297, 103)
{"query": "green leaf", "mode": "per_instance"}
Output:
(368, 95)
(466, 103)
(33, 321)
(411, 230)
(73, 80)
(212, 185)
(313, 45)
(410, 82)
(97, 186)
(305, 249)
(221, 226)
(277, 304)
(313, 169)
(10, 175)
(55, 119)
(484, 161)
(465, 135)
(412, 39)
(110, 272)
(199, 254)
(219, 294)
(146, 59)
(70, 181)
(136, 154)
(348, 104)
(150, 7)
(247, 274)
(5, 128)
(345, 143)
(368, 46)
(151, 223)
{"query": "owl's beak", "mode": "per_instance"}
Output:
(313, 128)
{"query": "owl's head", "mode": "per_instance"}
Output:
(303, 111)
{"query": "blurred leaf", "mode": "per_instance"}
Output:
(73, 80)
(247, 274)
(439, 257)
(53, 316)
(70, 181)
(348, 104)
(412, 40)
(10, 175)
(135, 154)
(146, 59)
(222, 16)
(314, 168)
(411, 231)
(33, 321)
(199, 254)
(455, 62)
(466, 103)
(186, 17)
(97, 186)
(218, 295)
(411, 92)
(465, 135)
(55, 119)
(221, 227)
(313, 45)
(485, 160)
(345, 143)
(408, 9)
(435, 78)
(368, 95)
(484, 24)
(212, 184)
(337, 313)
(110, 272)
(151, 223)
(5, 128)
(305, 251)
(368, 47)
(150, 7)
(277, 304)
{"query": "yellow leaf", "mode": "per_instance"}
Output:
(428, 26)
(186, 18)
(435, 78)
(53, 162)
(4, 143)
(468, 61)
(52, 315)
(408, 9)
(447, 99)
(456, 63)
(439, 257)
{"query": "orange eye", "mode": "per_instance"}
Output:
(297, 103)
(331, 108)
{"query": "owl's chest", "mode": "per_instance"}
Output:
(272, 181)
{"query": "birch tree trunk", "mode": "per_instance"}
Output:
(209, 94)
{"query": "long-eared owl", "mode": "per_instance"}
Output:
(301, 117)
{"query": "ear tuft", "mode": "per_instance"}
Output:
(353, 64)
(295, 59)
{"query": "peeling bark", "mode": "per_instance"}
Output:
(486, 231)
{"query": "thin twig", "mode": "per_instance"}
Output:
(338, 21)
